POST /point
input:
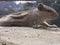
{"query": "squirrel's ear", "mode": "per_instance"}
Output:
(40, 6)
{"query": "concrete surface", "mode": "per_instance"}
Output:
(29, 36)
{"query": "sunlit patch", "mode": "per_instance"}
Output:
(17, 2)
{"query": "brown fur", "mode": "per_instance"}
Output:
(31, 17)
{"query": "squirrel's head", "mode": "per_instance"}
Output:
(48, 11)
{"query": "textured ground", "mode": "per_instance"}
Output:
(29, 36)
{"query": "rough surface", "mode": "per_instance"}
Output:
(29, 36)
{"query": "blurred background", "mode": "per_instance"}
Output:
(8, 7)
